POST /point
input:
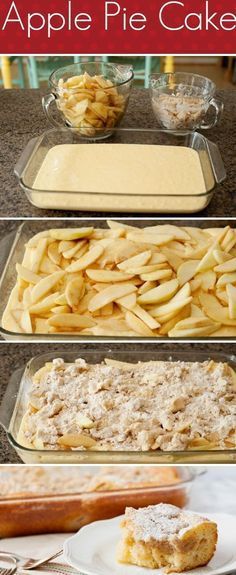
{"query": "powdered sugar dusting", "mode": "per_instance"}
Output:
(161, 522)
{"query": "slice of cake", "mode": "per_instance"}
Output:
(166, 536)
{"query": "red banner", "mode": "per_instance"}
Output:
(118, 27)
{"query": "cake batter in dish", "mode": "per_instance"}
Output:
(104, 171)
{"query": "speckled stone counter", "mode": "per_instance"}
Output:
(13, 356)
(22, 117)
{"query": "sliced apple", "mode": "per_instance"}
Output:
(208, 280)
(198, 235)
(194, 327)
(27, 275)
(171, 307)
(61, 299)
(48, 267)
(38, 254)
(181, 295)
(226, 279)
(147, 269)
(226, 266)
(196, 311)
(73, 251)
(41, 325)
(228, 240)
(147, 238)
(195, 253)
(196, 332)
(128, 301)
(195, 283)
(186, 271)
(65, 245)
(25, 322)
(44, 306)
(106, 276)
(53, 253)
(231, 292)
(86, 260)
(70, 320)
(157, 275)
(208, 261)
(136, 261)
(173, 259)
(221, 294)
(61, 309)
(215, 310)
(170, 324)
(157, 257)
(161, 293)
(221, 256)
(70, 233)
(147, 286)
(145, 317)
(45, 285)
(111, 293)
(225, 331)
(74, 291)
(178, 232)
(137, 325)
(113, 225)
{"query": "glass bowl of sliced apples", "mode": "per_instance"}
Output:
(91, 97)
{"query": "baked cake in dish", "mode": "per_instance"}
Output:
(149, 406)
(166, 536)
(21, 481)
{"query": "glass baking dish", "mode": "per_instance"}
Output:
(15, 403)
(32, 157)
(12, 249)
(33, 514)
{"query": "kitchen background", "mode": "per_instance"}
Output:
(33, 71)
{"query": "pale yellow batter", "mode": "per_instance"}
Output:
(112, 171)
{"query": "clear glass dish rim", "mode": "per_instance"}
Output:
(195, 452)
(126, 195)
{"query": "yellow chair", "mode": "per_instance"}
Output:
(169, 64)
(5, 66)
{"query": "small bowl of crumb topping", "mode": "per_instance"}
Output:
(183, 101)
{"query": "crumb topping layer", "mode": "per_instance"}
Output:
(164, 405)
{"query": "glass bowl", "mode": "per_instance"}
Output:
(91, 97)
(181, 101)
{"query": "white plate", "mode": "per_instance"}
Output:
(93, 549)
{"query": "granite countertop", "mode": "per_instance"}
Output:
(14, 356)
(22, 117)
